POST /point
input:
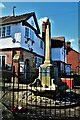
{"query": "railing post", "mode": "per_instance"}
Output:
(13, 71)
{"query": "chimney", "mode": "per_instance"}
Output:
(14, 10)
(68, 44)
(43, 30)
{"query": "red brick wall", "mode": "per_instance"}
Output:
(8, 56)
(72, 58)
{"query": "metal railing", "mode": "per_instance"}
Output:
(27, 97)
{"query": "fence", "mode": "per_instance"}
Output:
(26, 98)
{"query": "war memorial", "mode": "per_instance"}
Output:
(47, 97)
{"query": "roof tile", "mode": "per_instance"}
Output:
(14, 19)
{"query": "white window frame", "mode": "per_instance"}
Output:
(8, 30)
(3, 31)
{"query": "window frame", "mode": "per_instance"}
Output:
(31, 34)
(26, 32)
(0, 32)
(3, 31)
(8, 30)
(0, 61)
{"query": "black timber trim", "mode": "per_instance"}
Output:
(35, 19)
(10, 49)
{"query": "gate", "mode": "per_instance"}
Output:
(26, 99)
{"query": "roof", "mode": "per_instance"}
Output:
(57, 42)
(16, 19)
(62, 38)
(71, 49)
(13, 19)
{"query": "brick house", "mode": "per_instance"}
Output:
(72, 58)
(20, 41)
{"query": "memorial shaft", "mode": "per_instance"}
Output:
(47, 44)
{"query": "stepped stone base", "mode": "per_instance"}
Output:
(46, 74)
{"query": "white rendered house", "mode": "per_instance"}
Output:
(19, 36)
(59, 55)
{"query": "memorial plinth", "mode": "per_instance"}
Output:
(46, 69)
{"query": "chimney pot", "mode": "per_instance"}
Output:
(69, 44)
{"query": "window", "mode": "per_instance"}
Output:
(27, 32)
(3, 31)
(0, 32)
(32, 23)
(8, 30)
(41, 44)
(38, 61)
(2, 61)
(31, 34)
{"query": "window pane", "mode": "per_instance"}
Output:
(8, 31)
(0, 32)
(31, 34)
(32, 23)
(27, 32)
(0, 61)
(41, 44)
(3, 31)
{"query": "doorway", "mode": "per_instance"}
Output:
(2, 61)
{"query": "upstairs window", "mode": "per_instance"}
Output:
(3, 31)
(31, 34)
(0, 32)
(41, 44)
(0, 61)
(27, 32)
(32, 23)
(8, 30)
